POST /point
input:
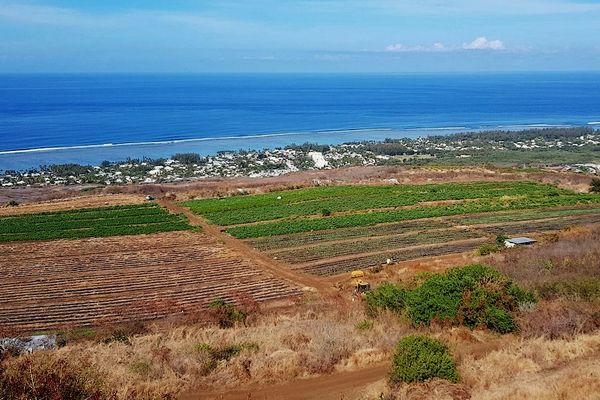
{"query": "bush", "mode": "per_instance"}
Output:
(210, 356)
(386, 296)
(474, 296)
(500, 239)
(225, 314)
(419, 358)
(45, 376)
(595, 185)
(488, 248)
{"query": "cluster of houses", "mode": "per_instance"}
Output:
(274, 162)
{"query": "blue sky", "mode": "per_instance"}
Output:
(298, 35)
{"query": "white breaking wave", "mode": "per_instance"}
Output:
(175, 141)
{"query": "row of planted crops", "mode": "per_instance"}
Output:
(91, 222)
(327, 230)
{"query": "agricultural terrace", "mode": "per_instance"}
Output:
(334, 229)
(91, 222)
(65, 283)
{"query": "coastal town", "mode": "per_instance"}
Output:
(458, 148)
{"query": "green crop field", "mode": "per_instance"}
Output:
(312, 201)
(328, 230)
(94, 222)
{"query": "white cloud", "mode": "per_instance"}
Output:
(401, 48)
(482, 43)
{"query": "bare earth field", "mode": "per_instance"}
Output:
(52, 284)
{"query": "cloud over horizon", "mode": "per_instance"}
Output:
(479, 43)
(482, 43)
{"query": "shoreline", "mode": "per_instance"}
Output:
(575, 148)
(94, 154)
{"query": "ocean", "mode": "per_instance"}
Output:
(47, 119)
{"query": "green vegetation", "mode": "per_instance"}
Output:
(386, 296)
(312, 201)
(365, 325)
(595, 185)
(92, 222)
(419, 358)
(225, 314)
(488, 248)
(210, 356)
(189, 158)
(373, 218)
(372, 205)
(474, 296)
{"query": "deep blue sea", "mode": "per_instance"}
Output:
(88, 118)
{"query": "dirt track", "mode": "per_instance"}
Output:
(342, 385)
(258, 258)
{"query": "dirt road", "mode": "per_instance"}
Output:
(260, 259)
(342, 385)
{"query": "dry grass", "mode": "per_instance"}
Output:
(166, 361)
(574, 255)
(537, 369)
(160, 365)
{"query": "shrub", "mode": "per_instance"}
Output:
(419, 358)
(118, 335)
(500, 239)
(595, 185)
(225, 314)
(386, 296)
(210, 356)
(488, 248)
(473, 295)
(46, 376)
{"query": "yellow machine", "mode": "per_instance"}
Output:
(358, 284)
